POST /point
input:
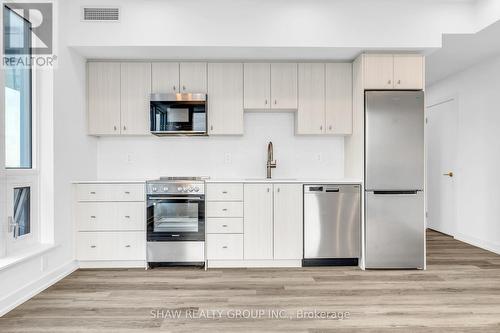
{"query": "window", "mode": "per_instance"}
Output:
(18, 93)
(22, 210)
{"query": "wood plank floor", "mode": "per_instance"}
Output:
(460, 292)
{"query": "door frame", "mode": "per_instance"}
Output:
(453, 99)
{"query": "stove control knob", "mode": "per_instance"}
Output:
(165, 189)
(190, 189)
(196, 189)
(154, 189)
(180, 189)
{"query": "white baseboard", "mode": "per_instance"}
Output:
(113, 264)
(253, 263)
(484, 244)
(25, 293)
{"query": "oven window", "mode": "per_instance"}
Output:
(176, 217)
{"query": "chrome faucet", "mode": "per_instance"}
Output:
(270, 163)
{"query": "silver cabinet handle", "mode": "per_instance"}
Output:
(127, 216)
(321, 127)
(275, 102)
(389, 82)
(224, 192)
(224, 225)
(330, 127)
(124, 128)
(399, 81)
(173, 88)
(127, 245)
(268, 189)
(278, 189)
(224, 209)
(127, 192)
(92, 216)
(224, 247)
(265, 102)
(91, 192)
(183, 87)
(114, 127)
(93, 246)
(211, 127)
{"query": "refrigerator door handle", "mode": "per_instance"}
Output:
(394, 192)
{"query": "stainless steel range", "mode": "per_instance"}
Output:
(176, 221)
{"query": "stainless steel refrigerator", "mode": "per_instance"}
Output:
(394, 179)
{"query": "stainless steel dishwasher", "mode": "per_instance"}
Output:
(332, 224)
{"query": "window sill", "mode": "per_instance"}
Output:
(33, 251)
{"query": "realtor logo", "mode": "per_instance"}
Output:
(28, 34)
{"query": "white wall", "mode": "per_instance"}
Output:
(478, 179)
(74, 157)
(297, 156)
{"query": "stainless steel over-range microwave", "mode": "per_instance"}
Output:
(178, 114)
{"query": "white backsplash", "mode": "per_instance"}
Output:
(224, 156)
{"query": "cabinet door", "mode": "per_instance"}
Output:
(257, 86)
(311, 105)
(408, 71)
(283, 86)
(379, 71)
(225, 102)
(339, 98)
(103, 98)
(193, 77)
(165, 77)
(135, 93)
(258, 221)
(288, 243)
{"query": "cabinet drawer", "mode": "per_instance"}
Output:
(110, 192)
(224, 225)
(117, 216)
(224, 209)
(111, 246)
(225, 192)
(225, 246)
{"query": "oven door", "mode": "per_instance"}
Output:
(176, 218)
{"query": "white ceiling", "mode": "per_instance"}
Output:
(461, 51)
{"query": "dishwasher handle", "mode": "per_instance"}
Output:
(329, 188)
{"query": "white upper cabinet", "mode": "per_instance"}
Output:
(379, 71)
(283, 86)
(288, 241)
(165, 77)
(393, 71)
(408, 71)
(193, 77)
(257, 85)
(311, 104)
(135, 87)
(338, 83)
(103, 98)
(258, 221)
(225, 102)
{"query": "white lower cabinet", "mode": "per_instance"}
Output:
(225, 246)
(110, 222)
(266, 232)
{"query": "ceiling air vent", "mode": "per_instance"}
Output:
(101, 14)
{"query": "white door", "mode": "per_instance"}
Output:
(257, 85)
(165, 77)
(338, 92)
(311, 105)
(135, 92)
(284, 86)
(193, 77)
(441, 151)
(103, 98)
(225, 102)
(288, 225)
(258, 221)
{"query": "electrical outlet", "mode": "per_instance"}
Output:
(319, 157)
(228, 159)
(129, 158)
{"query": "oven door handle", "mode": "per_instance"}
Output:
(176, 198)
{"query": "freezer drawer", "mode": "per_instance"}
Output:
(394, 135)
(395, 230)
(332, 221)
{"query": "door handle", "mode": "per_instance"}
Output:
(449, 174)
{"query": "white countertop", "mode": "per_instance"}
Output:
(235, 180)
